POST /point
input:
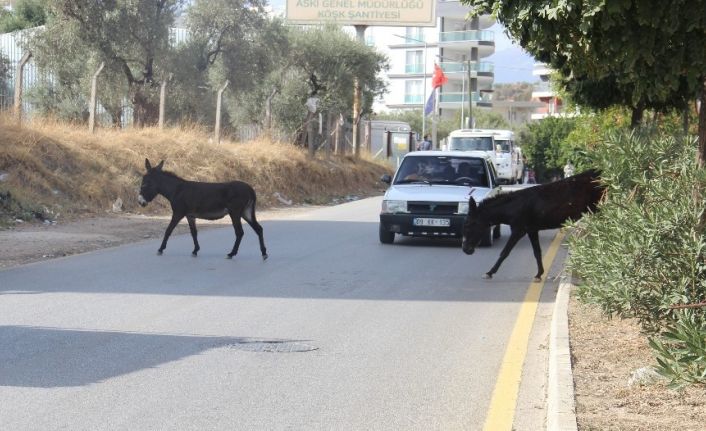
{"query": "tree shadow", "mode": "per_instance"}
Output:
(53, 357)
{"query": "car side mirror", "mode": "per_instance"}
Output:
(386, 179)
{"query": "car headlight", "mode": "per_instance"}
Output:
(463, 207)
(391, 207)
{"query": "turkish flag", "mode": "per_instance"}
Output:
(438, 79)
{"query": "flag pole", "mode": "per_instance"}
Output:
(435, 120)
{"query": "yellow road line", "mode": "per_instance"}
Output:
(502, 406)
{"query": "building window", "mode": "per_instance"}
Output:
(413, 89)
(414, 62)
(415, 34)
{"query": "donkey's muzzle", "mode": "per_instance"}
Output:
(466, 249)
(142, 201)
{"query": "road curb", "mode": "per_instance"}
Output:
(561, 407)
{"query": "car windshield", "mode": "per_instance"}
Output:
(479, 143)
(467, 171)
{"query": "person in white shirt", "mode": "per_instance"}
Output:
(568, 169)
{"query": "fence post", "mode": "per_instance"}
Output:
(162, 97)
(310, 135)
(338, 149)
(18, 85)
(92, 112)
(218, 112)
(369, 136)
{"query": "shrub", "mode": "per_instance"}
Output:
(643, 252)
(681, 351)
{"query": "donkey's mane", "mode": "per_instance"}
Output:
(496, 200)
(170, 174)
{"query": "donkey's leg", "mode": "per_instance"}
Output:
(515, 236)
(192, 228)
(534, 239)
(176, 218)
(238, 226)
(249, 216)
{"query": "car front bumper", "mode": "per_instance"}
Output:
(404, 225)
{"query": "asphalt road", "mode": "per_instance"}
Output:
(335, 331)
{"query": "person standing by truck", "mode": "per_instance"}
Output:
(568, 169)
(425, 145)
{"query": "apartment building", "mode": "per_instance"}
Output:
(551, 104)
(457, 44)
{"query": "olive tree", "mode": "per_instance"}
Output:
(640, 53)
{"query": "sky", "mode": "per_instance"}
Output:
(512, 63)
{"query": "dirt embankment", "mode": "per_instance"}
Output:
(54, 171)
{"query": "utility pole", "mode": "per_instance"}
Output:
(357, 96)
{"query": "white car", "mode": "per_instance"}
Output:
(429, 194)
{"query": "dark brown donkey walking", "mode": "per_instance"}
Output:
(210, 201)
(530, 210)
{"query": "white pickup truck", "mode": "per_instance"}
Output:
(500, 145)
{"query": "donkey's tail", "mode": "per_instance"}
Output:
(249, 210)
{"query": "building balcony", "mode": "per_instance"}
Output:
(413, 99)
(458, 71)
(542, 90)
(461, 96)
(414, 68)
(454, 9)
(461, 67)
(466, 36)
(458, 43)
(541, 69)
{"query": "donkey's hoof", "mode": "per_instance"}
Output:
(537, 279)
(265, 256)
(159, 252)
(229, 256)
(194, 254)
(487, 276)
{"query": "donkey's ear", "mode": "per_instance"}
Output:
(472, 204)
(159, 166)
(148, 165)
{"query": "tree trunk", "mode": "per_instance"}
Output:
(268, 110)
(144, 112)
(701, 158)
(637, 113)
(304, 136)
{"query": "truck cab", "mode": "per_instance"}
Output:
(508, 157)
(498, 144)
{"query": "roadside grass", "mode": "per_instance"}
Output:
(51, 169)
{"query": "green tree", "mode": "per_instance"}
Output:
(517, 91)
(486, 119)
(413, 117)
(131, 37)
(649, 54)
(544, 145)
(234, 41)
(25, 14)
(331, 59)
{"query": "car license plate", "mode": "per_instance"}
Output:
(440, 222)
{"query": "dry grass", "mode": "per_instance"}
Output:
(604, 354)
(65, 169)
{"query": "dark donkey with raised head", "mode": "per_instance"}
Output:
(530, 210)
(210, 201)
